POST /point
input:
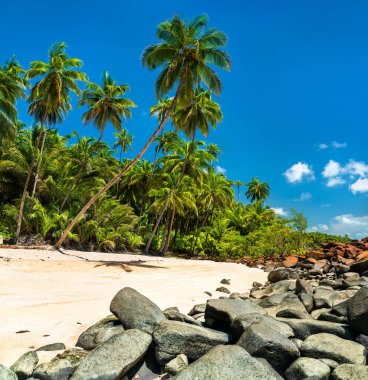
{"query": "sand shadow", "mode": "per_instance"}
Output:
(126, 266)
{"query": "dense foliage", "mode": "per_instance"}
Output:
(176, 203)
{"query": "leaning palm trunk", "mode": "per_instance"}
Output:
(26, 184)
(39, 164)
(168, 238)
(126, 169)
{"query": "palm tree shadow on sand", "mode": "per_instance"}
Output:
(126, 266)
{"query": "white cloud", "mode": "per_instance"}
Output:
(220, 169)
(335, 181)
(322, 146)
(319, 228)
(298, 172)
(338, 145)
(303, 197)
(359, 186)
(337, 174)
(279, 211)
(354, 226)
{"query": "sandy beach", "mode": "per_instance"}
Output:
(49, 296)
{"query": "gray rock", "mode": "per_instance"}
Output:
(264, 342)
(223, 289)
(226, 363)
(341, 309)
(307, 300)
(331, 363)
(291, 313)
(269, 367)
(305, 327)
(176, 365)
(278, 275)
(326, 316)
(7, 374)
(326, 297)
(61, 367)
(197, 309)
(358, 311)
(52, 347)
(225, 281)
(173, 338)
(174, 315)
(242, 322)
(272, 300)
(316, 313)
(25, 365)
(114, 358)
(363, 340)
(146, 369)
(350, 372)
(99, 333)
(333, 347)
(351, 275)
(359, 266)
(303, 287)
(136, 311)
(304, 368)
(224, 311)
(290, 302)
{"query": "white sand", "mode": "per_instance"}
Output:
(57, 296)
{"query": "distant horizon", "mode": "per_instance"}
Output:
(295, 104)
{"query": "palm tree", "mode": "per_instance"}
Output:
(185, 53)
(257, 190)
(106, 104)
(124, 141)
(237, 184)
(12, 87)
(49, 100)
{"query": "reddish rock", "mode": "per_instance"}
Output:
(362, 255)
(290, 261)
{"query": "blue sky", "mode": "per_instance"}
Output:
(295, 103)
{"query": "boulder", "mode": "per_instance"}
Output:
(357, 311)
(197, 309)
(226, 363)
(7, 374)
(146, 369)
(135, 311)
(61, 367)
(304, 368)
(269, 367)
(350, 372)
(176, 365)
(225, 281)
(52, 347)
(223, 289)
(333, 347)
(262, 341)
(291, 313)
(114, 358)
(307, 300)
(359, 266)
(100, 332)
(25, 365)
(325, 297)
(290, 261)
(224, 311)
(242, 322)
(174, 315)
(173, 338)
(278, 275)
(290, 302)
(305, 327)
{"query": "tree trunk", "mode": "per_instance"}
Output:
(164, 235)
(39, 164)
(23, 200)
(167, 243)
(201, 227)
(128, 167)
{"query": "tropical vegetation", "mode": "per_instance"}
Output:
(77, 191)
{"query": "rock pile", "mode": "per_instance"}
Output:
(308, 321)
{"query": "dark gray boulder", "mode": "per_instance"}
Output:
(333, 347)
(224, 311)
(226, 363)
(242, 322)
(100, 332)
(305, 327)
(174, 315)
(307, 300)
(278, 275)
(173, 338)
(291, 313)
(7, 374)
(357, 311)
(304, 368)
(61, 367)
(303, 287)
(114, 358)
(326, 297)
(262, 341)
(197, 309)
(269, 367)
(359, 266)
(25, 365)
(135, 311)
(146, 369)
(350, 372)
